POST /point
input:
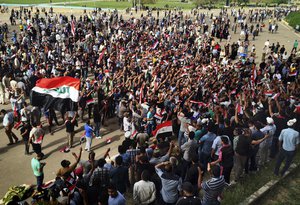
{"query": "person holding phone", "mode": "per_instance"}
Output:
(38, 169)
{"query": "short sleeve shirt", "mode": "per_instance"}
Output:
(290, 138)
(36, 165)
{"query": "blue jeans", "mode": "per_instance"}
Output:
(181, 138)
(97, 128)
(39, 180)
(283, 154)
(150, 127)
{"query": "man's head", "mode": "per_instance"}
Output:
(191, 135)
(216, 171)
(145, 175)
(270, 120)
(112, 191)
(168, 167)
(225, 140)
(3, 112)
(119, 160)
(188, 189)
(65, 163)
(39, 156)
(101, 162)
(91, 155)
(292, 122)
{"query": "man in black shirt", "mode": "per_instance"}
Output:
(70, 124)
(188, 195)
(25, 131)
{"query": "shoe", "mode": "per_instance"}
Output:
(98, 137)
(11, 143)
(17, 140)
(232, 183)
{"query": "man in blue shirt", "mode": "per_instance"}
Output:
(206, 142)
(115, 197)
(289, 139)
(88, 135)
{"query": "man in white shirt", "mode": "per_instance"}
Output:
(144, 191)
(8, 123)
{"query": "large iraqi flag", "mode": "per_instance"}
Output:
(164, 128)
(61, 93)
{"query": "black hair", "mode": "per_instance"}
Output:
(216, 171)
(101, 162)
(145, 175)
(192, 135)
(119, 160)
(224, 140)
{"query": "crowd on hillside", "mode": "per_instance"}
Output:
(229, 108)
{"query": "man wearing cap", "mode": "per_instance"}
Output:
(188, 195)
(288, 142)
(264, 147)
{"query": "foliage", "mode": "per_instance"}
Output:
(293, 19)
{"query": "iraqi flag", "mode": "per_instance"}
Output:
(61, 93)
(73, 29)
(163, 129)
(155, 45)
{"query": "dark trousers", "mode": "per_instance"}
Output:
(204, 159)
(10, 134)
(274, 148)
(37, 148)
(26, 146)
(39, 180)
(251, 164)
(284, 155)
(226, 173)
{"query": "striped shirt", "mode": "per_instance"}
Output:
(212, 189)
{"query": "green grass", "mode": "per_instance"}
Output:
(250, 184)
(126, 4)
(293, 19)
(33, 1)
(286, 192)
(105, 4)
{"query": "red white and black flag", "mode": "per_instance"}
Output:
(163, 129)
(73, 29)
(61, 93)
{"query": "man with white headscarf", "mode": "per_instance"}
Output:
(265, 146)
(289, 139)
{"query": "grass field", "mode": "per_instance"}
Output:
(251, 183)
(125, 4)
(286, 192)
(33, 1)
(107, 3)
(293, 19)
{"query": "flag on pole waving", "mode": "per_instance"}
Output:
(61, 93)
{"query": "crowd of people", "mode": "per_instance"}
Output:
(229, 109)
